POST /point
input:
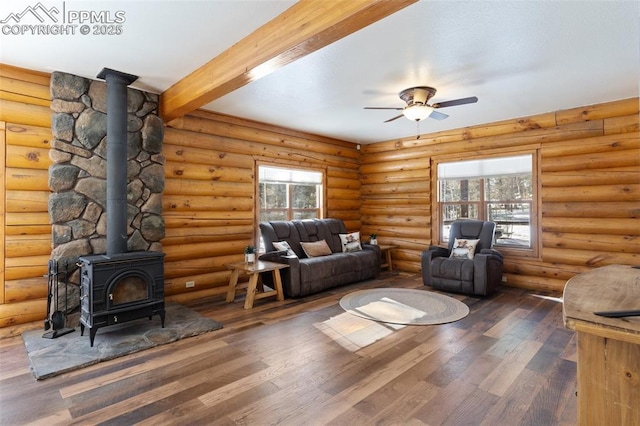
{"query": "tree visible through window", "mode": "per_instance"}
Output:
(496, 189)
(288, 194)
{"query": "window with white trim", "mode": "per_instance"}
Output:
(499, 189)
(288, 194)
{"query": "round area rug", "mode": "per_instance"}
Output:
(404, 306)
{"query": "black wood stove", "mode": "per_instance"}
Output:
(119, 286)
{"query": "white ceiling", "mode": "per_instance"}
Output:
(518, 57)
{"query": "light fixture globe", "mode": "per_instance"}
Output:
(417, 112)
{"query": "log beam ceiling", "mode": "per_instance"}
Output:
(305, 27)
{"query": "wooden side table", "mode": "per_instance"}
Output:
(253, 270)
(386, 253)
(608, 348)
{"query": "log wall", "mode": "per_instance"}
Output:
(588, 186)
(210, 192)
(25, 135)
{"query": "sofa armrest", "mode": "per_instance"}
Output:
(373, 247)
(290, 276)
(272, 256)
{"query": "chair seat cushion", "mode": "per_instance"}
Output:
(454, 269)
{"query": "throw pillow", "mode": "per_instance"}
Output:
(350, 242)
(284, 246)
(316, 248)
(463, 249)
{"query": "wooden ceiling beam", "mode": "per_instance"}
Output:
(304, 28)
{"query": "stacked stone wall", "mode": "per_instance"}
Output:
(77, 178)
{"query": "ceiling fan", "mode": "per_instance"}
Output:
(417, 108)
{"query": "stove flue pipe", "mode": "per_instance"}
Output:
(117, 83)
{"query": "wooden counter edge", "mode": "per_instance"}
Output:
(602, 330)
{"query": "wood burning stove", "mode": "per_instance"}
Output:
(120, 288)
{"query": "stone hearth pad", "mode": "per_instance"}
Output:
(51, 357)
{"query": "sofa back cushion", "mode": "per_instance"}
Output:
(307, 230)
(281, 230)
(333, 229)
(322, 229)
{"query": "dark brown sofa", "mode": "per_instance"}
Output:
(308, 275)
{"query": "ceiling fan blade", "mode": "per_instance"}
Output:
(436, 115)
(397, 109)
(455, 102)
(394, 118)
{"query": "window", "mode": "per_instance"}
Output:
(495, 189)
(288, 194)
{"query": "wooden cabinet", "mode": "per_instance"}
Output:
(608, 348)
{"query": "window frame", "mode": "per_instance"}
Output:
(287, 166)
(510, 250)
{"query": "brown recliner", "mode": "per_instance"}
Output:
(478, 276)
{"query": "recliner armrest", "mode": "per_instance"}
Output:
(492, 252)
(438, 251)
(487, 268)
(427, 256)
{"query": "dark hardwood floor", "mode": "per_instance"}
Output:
(307, 362)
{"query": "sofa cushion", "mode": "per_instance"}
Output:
(342, 264)
(350, 242)
(364, 260)
(284, 246)
(281, 230)
(315, 268)
(316, 248)
(322, 229)
(332, 230)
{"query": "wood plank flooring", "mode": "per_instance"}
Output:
(307, 362)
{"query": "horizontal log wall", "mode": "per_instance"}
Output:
(25, 118)
(208, 201)
(589, 189)
(209, 197)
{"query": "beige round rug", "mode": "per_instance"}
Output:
(404, 306)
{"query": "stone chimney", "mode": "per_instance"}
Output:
(77, 178)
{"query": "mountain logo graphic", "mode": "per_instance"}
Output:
(38, 11)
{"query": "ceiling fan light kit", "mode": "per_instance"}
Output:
(417, 108)
(417, 112)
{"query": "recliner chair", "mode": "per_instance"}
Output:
(480, 275)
